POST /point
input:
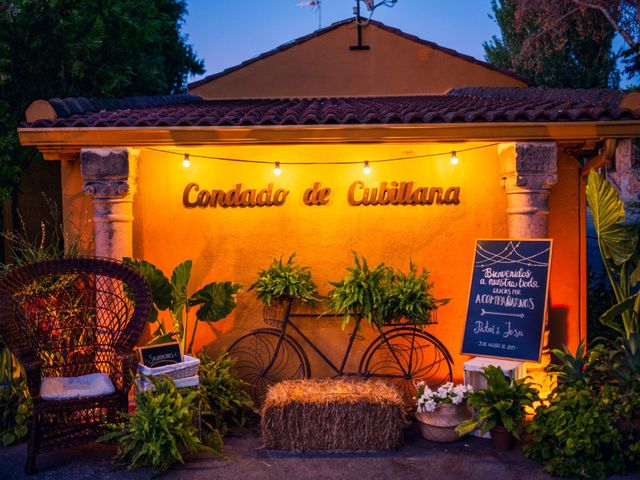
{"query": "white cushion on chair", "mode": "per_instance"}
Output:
(67, 388)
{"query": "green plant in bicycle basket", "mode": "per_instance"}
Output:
(381, 294)
(362, 291)
(214, 301)
(409, 297)
(285, 281)
(161, 431)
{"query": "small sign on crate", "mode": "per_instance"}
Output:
(160, 355)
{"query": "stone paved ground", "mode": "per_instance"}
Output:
(469, 459)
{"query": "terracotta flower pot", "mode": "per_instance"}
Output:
(440, 425)
(501, 439)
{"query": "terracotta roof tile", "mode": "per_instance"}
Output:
(459, 106)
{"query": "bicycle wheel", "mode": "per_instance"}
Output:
(264, 358)
(405, 355)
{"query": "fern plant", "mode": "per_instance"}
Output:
(409, 297)
(362, 292)
(160, 432)
(284, 282)
(227, 402)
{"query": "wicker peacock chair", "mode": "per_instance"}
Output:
(73, 324)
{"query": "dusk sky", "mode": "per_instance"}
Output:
(227, 32)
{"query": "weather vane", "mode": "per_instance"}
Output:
(362, 22)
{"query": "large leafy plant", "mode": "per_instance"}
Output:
(618, 244)
(284, 282)
(502, 403)
(161, 431)
(211, 303)
(225, 395)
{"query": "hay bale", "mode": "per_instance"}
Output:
(332, 415)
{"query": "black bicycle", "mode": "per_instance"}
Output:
(401, 354)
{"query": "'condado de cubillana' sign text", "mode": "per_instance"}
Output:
(387, 193)
(508, 299)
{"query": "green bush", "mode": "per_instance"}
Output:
(227, 402)
(16, 406)
(160, 432)
(574, 435)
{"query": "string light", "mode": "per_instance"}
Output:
(454, 157)
(276, 169)
(367, 168)
(186, 162)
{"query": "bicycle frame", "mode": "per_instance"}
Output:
(339, 371)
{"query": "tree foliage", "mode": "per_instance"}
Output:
(92, 48)
(578, 55)
(622, 15)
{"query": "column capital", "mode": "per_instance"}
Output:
(529, 165)
(108, 173)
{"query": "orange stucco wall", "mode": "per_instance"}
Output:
(234, 243)
(324, 66)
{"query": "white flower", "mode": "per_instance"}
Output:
(446, 393)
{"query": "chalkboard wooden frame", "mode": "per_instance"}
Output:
(467, 333)
(169, 347)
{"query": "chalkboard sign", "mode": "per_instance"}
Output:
(508, 299)
(160, 355)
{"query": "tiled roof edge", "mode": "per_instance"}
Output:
(65, 107)
(601, 96)
(333, 26)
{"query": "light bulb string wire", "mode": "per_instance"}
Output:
(347, 162)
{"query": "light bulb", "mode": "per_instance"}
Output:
(185, 161)
(276, 169)
(367, 168)
(454, 158)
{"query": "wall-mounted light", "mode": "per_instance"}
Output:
(454, 158)
(367, 168)
(276, 169)
(186, 162)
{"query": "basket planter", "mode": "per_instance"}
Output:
(275, 313)
(440, 425)
(185, 369)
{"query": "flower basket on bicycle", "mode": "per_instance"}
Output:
(275, 313)
(431, 319)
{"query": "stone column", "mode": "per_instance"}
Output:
(109, 178)
(529, 172)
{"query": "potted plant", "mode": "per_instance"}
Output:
(283, 283)
(409, 297)
(362, 292)
(440, 411)
(383, 295)
(500, 407)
